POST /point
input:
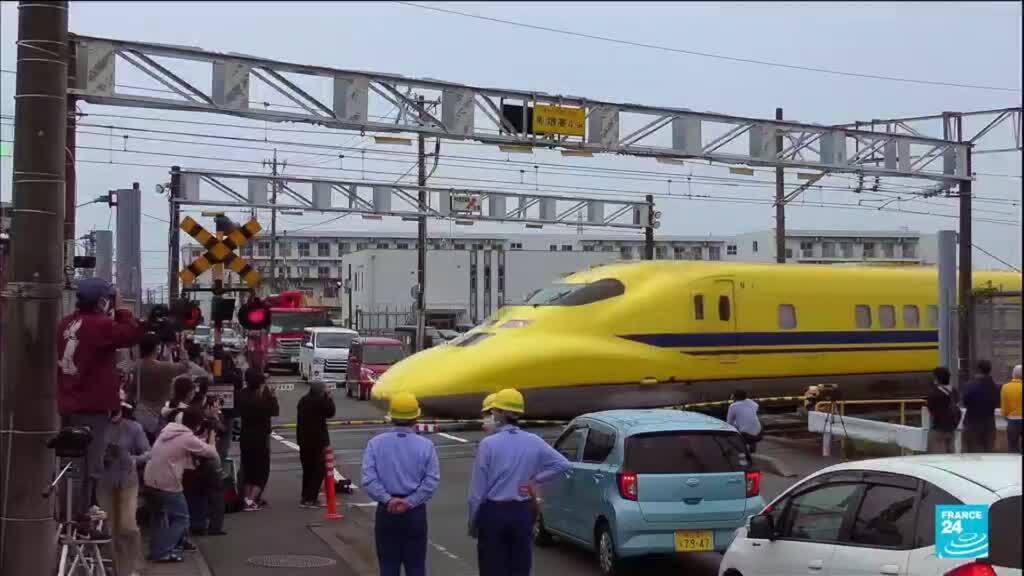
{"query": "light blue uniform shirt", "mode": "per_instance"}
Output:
(400, 463)
(505, 461)
(742, 416)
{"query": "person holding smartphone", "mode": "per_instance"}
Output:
(257, 405)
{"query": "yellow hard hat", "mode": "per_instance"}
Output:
(509, 400)
(404, 406)
(488, 403)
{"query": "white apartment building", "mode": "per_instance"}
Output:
(838, 246)
(472, 274)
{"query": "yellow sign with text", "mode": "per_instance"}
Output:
(549, 119)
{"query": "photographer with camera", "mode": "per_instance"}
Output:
(153, 389)
(88, 382)
(204, 484)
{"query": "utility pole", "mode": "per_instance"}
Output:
(173, 264)
(649, 229)
(273, 222)
(966, 300)
(32, 298)
(69, 158)
(780, 195)
(421, 245)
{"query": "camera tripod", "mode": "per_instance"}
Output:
(78, 553)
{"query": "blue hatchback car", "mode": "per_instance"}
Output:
(649, 482)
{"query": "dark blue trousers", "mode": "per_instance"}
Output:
(401, 541)
(504, 545)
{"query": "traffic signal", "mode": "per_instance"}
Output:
(254, 315)
(188, 314)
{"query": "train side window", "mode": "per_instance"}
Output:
(698, 306)
(862, 314)
(887, 316)
(724, 309)
(787, 316)
(911, 316)
(933, 316)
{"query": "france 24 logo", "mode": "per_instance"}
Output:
(961, 532)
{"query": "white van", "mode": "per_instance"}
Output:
(328, 344)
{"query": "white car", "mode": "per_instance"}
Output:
(878, 517)
(328, 344)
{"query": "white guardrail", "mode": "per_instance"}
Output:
(829, 424)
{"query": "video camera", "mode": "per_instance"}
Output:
(161, 322)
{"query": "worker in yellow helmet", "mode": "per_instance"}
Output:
(486, 415)
(508, 464)
(401, 472)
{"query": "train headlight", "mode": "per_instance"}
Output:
(515, 324)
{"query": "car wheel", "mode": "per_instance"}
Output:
(303, 373)
(541, 536)
(607, 560)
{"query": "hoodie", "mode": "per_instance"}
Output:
(171, 454)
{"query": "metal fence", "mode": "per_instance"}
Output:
(997, 331)
(382, 322)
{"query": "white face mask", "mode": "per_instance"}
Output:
(489, 423)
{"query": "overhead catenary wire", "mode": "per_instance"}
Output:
(613, 173)
(501, 184)
(705, 54)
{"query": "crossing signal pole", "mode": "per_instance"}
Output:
(32, 295)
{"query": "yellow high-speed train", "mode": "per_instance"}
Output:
(647, 334)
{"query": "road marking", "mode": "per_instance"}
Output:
(451, 437)
(444, 551)
(362, 504)
(337, 475)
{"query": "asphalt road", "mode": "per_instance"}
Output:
(452, 551)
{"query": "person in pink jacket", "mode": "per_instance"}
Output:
(172, 452)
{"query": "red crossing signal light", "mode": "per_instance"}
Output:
(254, 315)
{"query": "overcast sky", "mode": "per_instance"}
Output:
(969, 43)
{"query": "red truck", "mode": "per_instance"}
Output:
(278, 347)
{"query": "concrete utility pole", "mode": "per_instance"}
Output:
(275, 185)
(421, 245)
(70, 195)
(28, 387)
(780, 195)
(947, 298)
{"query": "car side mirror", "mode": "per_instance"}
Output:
(762, 527)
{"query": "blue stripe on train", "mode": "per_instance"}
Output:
(701, 340)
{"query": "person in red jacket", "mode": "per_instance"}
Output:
(88, 382)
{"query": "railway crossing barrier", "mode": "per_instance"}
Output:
(830, 423)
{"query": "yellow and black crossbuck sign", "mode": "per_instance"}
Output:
(220, 251)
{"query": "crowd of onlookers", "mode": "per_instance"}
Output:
(973, 405)
(159, 438)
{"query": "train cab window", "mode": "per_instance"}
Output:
(577, 294)
(724, 309)
(698, 306)
(787, 316)
(911, 316)
(862, 315)
(933, 316)
(887, 316)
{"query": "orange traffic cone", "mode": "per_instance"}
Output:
(332, 505)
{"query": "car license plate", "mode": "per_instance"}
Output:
(295, 359)
(695, 540)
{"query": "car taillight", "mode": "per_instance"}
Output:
(972, 569)
(627, 485)
(753, 484)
